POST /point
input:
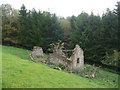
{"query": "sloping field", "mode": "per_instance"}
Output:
(19, 72)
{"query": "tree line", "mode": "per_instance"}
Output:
(97, 35)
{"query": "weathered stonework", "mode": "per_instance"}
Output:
(58, 59)
(36, 54)
(37, 51)
(77, 58)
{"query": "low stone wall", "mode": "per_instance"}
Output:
(58, 59)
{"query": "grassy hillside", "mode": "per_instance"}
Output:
(19, 72)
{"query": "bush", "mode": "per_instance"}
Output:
(112, 59)
(89, 71)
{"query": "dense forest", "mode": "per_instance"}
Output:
(97, 35)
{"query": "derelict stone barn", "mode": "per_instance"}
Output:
(75, 63)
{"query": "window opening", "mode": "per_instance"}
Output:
(77, 60)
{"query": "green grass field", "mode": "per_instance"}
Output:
(19, 72)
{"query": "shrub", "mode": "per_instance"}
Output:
(89, 71)
(112, 59)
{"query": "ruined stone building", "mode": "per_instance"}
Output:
(76, 61)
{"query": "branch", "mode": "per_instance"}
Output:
(67, 50)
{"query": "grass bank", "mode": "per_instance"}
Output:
(19, 72)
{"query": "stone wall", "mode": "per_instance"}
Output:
(78, 58)
(37, 51)
(36, 54)
(58, 59)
